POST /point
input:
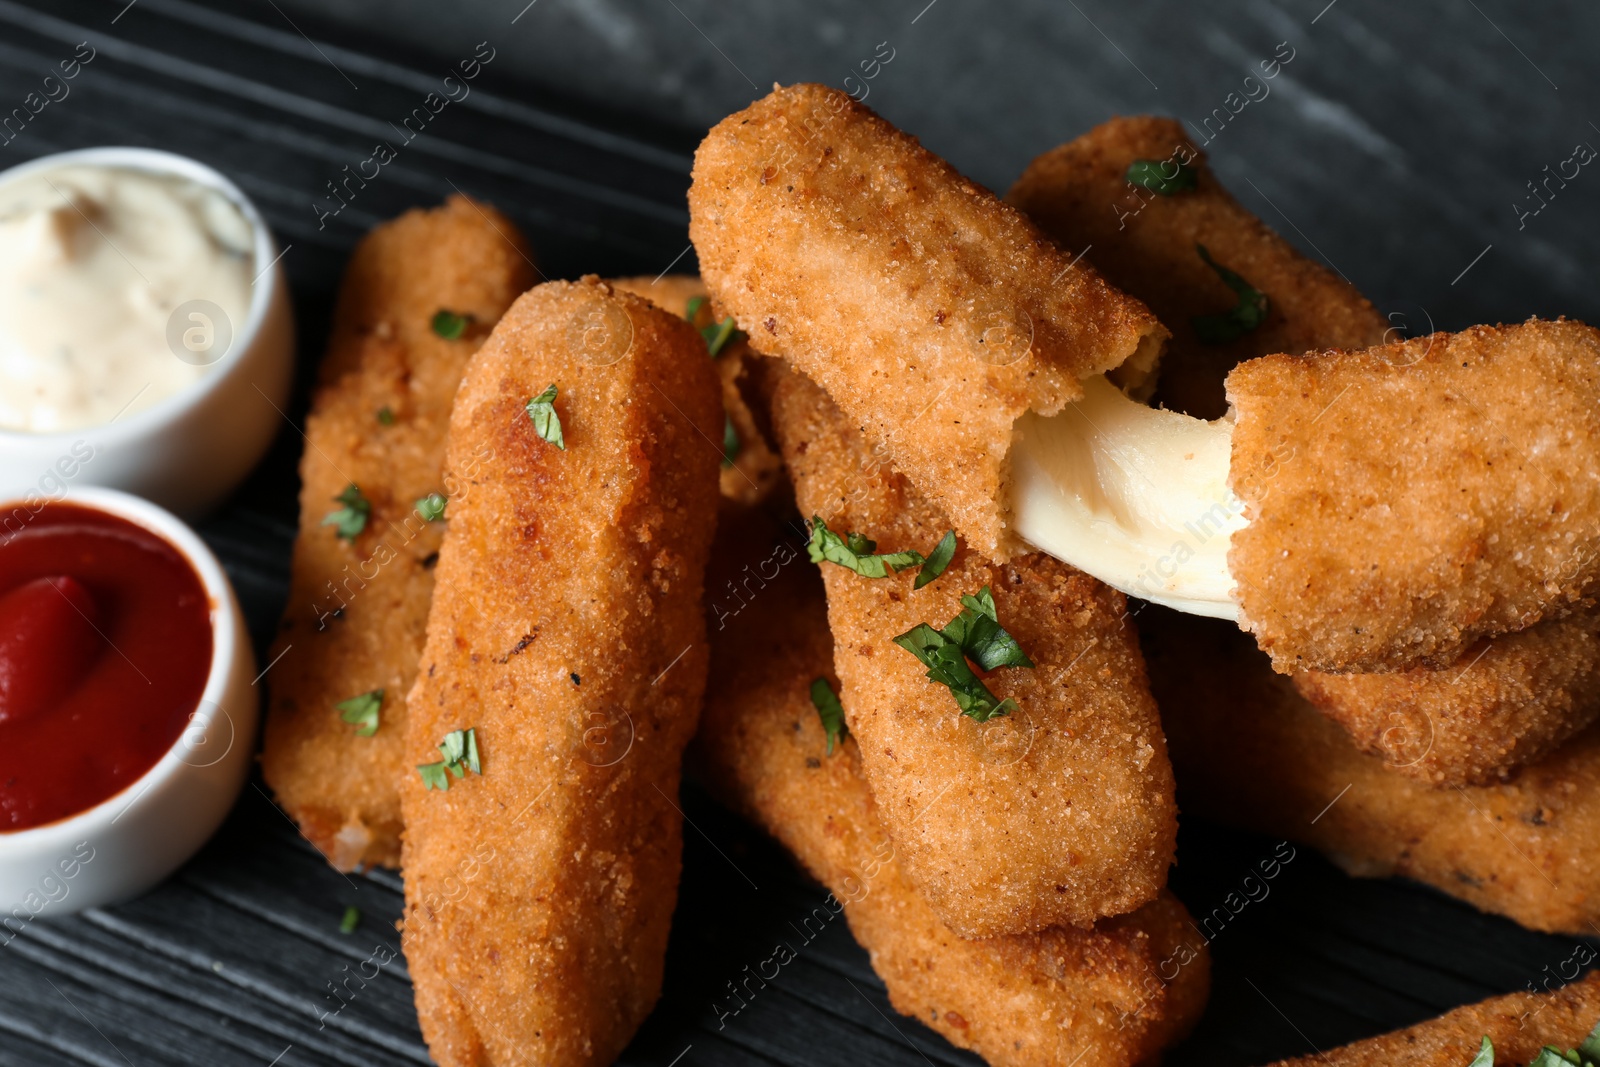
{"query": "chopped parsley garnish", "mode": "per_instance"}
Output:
(350, 520)
(1164, 176)
(351, 920)
(974, 634)
(860, 554)
(386, 415)
(937, 560)
(719, 334)
(431, 507)
(1250, 312)
(856, 552)
(449, 325)
(730, 440)
(362, 711)
(460, 751)
(691, 310)
(546, 423)
(829, 710)
(1587, 1054)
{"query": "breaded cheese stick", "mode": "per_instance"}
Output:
(1147, 244)
(1251, 752)
(357, 606)
(1058, 813)
(1111, 995)
(1502, 704)
(567, 633)
(750, 467)
(933, 313)
(1508, 702)
(1405, 501)
(1518, 1025)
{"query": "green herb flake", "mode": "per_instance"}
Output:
(362, 711)
(829, 710)
(1164, 176)
(1485, 1056)
(349, 520)
(459, 750)
(386, 415)
(719, 334)
(974, 634)
(1589, 1048)
(1249, 313)
(1587, 1054)
(351, 920)
(546, 423)
(431, 507)
(937, 560)
(691, 310)
(449, 325)
(731, 445)
(856, 552)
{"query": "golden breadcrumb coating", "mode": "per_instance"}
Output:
(934, 314)
(1251, 752)
(1059, 813)
(1506, 703)
(1519, 1024)
(1111, 995)
(356, 611)
(567, 629)
(1146, 245)
(756, 468)
(1408, 500)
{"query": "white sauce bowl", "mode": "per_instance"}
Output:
(130, 841)
(189, 450)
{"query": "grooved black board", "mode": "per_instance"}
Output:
(234, 960)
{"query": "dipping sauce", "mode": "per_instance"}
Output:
(105, 646)
(94, 261)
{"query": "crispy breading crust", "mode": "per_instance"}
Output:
(756, 468)
(1114, 995)
(1060, 813)
(383, 353)
(1250, 751)
(1145, 245)
(1519, 1024)
(934, 314)
(1507, 703)
(1407, 500)
(567, 629)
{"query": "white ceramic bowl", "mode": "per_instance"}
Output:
(133, 839)
(190, 450)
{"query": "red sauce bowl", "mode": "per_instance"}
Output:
(127, 703)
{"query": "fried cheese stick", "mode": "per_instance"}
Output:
(567, 632)
(1146, 244)
(1059, 813)
(748, 477)
(1502, 704)
(933, 313)
(1251, 752)
(1111, 995)
(357, 608)
(1519, 1025)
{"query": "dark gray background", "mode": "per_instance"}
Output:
(1394, 147)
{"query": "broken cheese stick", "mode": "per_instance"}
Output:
(1499, 706)
(1059, 812)
(1108, 996)
(567, 632)
(934, 314)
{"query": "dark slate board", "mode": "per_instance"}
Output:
(233, 960)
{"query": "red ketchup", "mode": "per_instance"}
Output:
(105, 645)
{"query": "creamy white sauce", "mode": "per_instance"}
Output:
(93, 262)
(1136, 496)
